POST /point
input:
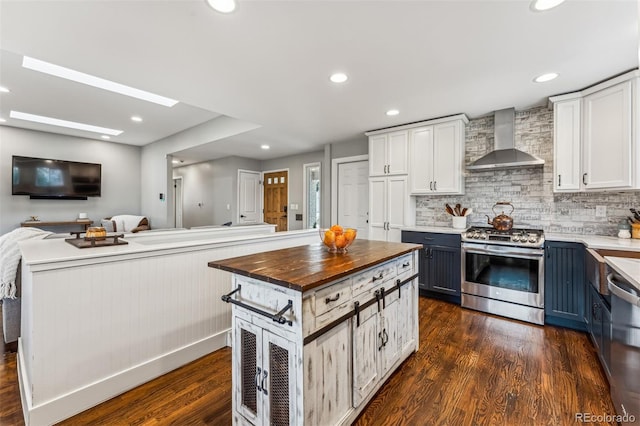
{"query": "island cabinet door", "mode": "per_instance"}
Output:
(366, 347)
(263, 376)
(407, 312)
(388, 335)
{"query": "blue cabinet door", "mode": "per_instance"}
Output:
(564, 292)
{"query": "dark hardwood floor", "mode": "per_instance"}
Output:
(471, 369)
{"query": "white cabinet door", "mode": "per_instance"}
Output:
(421, 160)
(397, 152)
(406, 317)
(448, 157)
(333, 370)
(377, 155)
(389, 333)
(566, 145)
(607, 138)
(378, 208)
(247, 370)
(278, 381)
(366, 346)
(396, 197)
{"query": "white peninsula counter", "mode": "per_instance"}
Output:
(99, 321)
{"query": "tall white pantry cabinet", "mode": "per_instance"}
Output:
(596, 138)
(424, 158)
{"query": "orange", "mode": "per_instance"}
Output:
(341, 241)
(337, 229)
(350, 234)
(329, 237)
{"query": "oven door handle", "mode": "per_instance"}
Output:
(514, 253)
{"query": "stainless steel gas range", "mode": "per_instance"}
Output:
(503, 272)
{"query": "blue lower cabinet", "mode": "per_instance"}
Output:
(564, 280)
(439, 265)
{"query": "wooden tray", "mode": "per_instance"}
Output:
(84, 242)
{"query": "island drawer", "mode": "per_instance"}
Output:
(372, 277)
(333, 296)
(405, 267)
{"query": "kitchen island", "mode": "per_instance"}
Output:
(316, 334)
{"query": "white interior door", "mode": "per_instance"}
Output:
(249, 192)
(353, 196)
(177, 202)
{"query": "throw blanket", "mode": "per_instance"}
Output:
(126, 222)
(10, 257)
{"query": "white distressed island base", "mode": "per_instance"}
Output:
(316, 334)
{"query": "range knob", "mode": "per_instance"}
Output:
(516, 238)
(533, 239)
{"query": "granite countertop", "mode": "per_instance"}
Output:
(627, 268)
(307, 267)
(435, 229)
(597, 241)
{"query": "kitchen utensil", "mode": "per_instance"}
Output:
(457, 210)
(449, 209)
(636, 214)
(464, 212)
(632, 219)
(469, 211)
(501, 222)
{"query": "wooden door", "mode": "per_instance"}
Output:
(276, 199)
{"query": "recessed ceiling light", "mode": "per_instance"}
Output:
(105, 137)
(265, 146)
(4, 89)
(136, 119)
(540, 5)
(223, 6)
(393, 112)
(338, 77)
(90, 80)
(545, 77)
(62, 123)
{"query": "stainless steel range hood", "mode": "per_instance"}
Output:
(505, 155)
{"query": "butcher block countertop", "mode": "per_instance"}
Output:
(307, 267)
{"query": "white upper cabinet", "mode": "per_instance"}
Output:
(566, 145)
(608, 143)
(388, 154)
(595, 145)
(436, 156)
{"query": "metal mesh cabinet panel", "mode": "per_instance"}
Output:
(249, 370)
(279, 385)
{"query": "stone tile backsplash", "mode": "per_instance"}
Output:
(530, 190)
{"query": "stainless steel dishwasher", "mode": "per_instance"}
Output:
(625, 346)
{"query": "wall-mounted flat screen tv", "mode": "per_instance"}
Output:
(55, 179)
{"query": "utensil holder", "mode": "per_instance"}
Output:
(460, 222)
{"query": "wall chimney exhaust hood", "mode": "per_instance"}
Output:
(505, 155)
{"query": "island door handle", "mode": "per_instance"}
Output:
(379, 277)
(264, 378)
(257, 378)
(332, 299)
(385, 337)
(405, 265)
(381, 341)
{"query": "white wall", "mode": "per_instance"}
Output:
(156, 167)
(294, 163)
(120, 177)
(213, 184)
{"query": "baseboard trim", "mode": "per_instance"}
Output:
(74, 402)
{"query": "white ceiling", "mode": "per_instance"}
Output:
(268, 63)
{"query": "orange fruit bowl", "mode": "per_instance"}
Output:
(337, 238)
